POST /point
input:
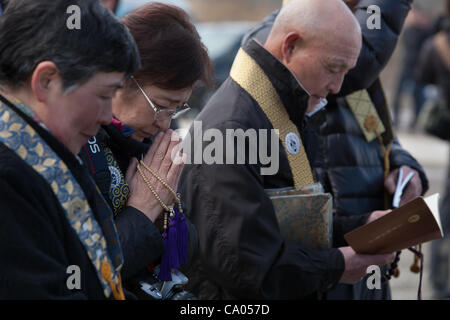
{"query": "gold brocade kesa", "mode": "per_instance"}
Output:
(304, 211)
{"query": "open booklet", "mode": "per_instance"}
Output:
(415, 222)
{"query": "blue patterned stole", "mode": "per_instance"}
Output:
(119, 189)
(100, 239)
(107, 173)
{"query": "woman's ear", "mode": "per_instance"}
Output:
(288, 46)
(45, 80)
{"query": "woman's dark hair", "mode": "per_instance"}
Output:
(172, 55)
(38, 30)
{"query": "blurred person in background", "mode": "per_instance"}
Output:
(418, 27)
(121, 7)
(360, 173)
(173, 61)
(434, 68)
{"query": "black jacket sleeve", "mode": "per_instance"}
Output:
(241, 247)
(346, 223)
(33, 261)
(140, 239)
(142, 242)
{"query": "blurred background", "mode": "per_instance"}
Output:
(221, 25)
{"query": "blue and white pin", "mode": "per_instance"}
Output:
(293, 144)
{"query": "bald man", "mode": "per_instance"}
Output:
(351, 166)
(316, 45)
(242, 252)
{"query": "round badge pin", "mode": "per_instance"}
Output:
(293, 144)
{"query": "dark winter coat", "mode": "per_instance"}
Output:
(37, 242)
(348, 166)
(242, 253)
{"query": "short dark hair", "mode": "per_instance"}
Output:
(172, 54)
(36, 31)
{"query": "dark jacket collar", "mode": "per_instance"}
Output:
(292, 95)
(123, 148)
(128, 145)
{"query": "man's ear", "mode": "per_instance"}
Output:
(289, 44)
(44, 79)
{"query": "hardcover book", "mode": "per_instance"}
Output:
(304, 214)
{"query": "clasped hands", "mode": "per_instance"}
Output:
(160, 159)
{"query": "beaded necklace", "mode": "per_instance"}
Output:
(175, 235)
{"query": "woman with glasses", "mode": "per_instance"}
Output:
(138, 178)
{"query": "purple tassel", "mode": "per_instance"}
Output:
(174, 261)
(182, 235)
(164, 268)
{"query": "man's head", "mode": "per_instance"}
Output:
(67, 76)
(318, 41)
(350, 3)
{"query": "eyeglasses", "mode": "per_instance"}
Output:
(162, 113)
